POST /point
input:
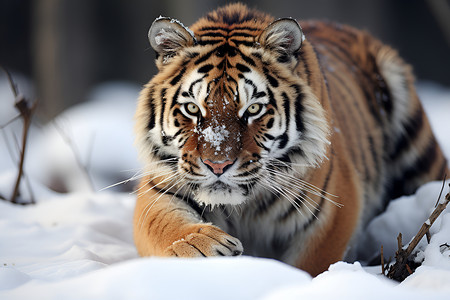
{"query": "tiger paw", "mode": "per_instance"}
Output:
(206, 240)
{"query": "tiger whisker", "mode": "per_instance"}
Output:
(291, 180)
(139, 174)
(151, 179)
(303, 185)
(282, 192)
(149, 206)
(271, 162)
(306, 184)
(169, 179)
(303, 198)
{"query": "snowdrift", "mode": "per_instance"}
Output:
(79, 245)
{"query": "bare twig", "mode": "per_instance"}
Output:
(402, 267)
(27, 181)
(383, 270)
(428, 223)
(26, 110)
(399, 241)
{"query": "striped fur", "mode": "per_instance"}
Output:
(288, 144)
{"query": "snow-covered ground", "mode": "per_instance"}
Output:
(79, 245)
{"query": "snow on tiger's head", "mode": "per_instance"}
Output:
(225, 110)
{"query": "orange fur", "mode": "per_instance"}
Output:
(335, 119)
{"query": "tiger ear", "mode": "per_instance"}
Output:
(167, 36)
(284, 36)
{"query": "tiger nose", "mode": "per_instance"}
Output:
(218, 168)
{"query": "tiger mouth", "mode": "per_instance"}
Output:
(218, 193)
(220, 186)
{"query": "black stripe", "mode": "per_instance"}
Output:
(226, 49)
(272, 81)
(221, 65)
(254, 92)
(151, 107)
(163, 107)
(257, 55)
(423, 163)
(258, 95)
(245, 188)
(283, 139)
(226, 29)
(272, 100)
(269, 136)
(205, 68)
(236, 17)
(404, 183)
(175, 97)
(192, 55)
(212, 28)
(243, 34)
(178, 133)
(300, 126)
(242, 68)
(177, 78)
(247, 59)
(305, 64)
(191, 87)
(246, 28)
(204, 57)
(213, 34)
(287, 109)
(245, 43)
(210, 42)
(261, 145)
(412, 126)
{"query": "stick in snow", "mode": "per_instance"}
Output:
(402, 267)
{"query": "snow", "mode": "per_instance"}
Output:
(79, 245)
(215, 135)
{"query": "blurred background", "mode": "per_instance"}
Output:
(67, 47)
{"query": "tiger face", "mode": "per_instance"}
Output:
(224, 119)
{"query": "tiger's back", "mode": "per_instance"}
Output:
(377, 111)
(288, 144)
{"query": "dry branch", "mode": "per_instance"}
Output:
(405, 265)
(26, 109)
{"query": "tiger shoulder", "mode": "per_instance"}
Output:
(274, 138)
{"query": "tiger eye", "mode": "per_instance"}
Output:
(254, 109)
(192, 108)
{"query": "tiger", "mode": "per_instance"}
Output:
(273, 138)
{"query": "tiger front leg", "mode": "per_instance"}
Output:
(166, 226)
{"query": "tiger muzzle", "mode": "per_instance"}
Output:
(218, 168)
